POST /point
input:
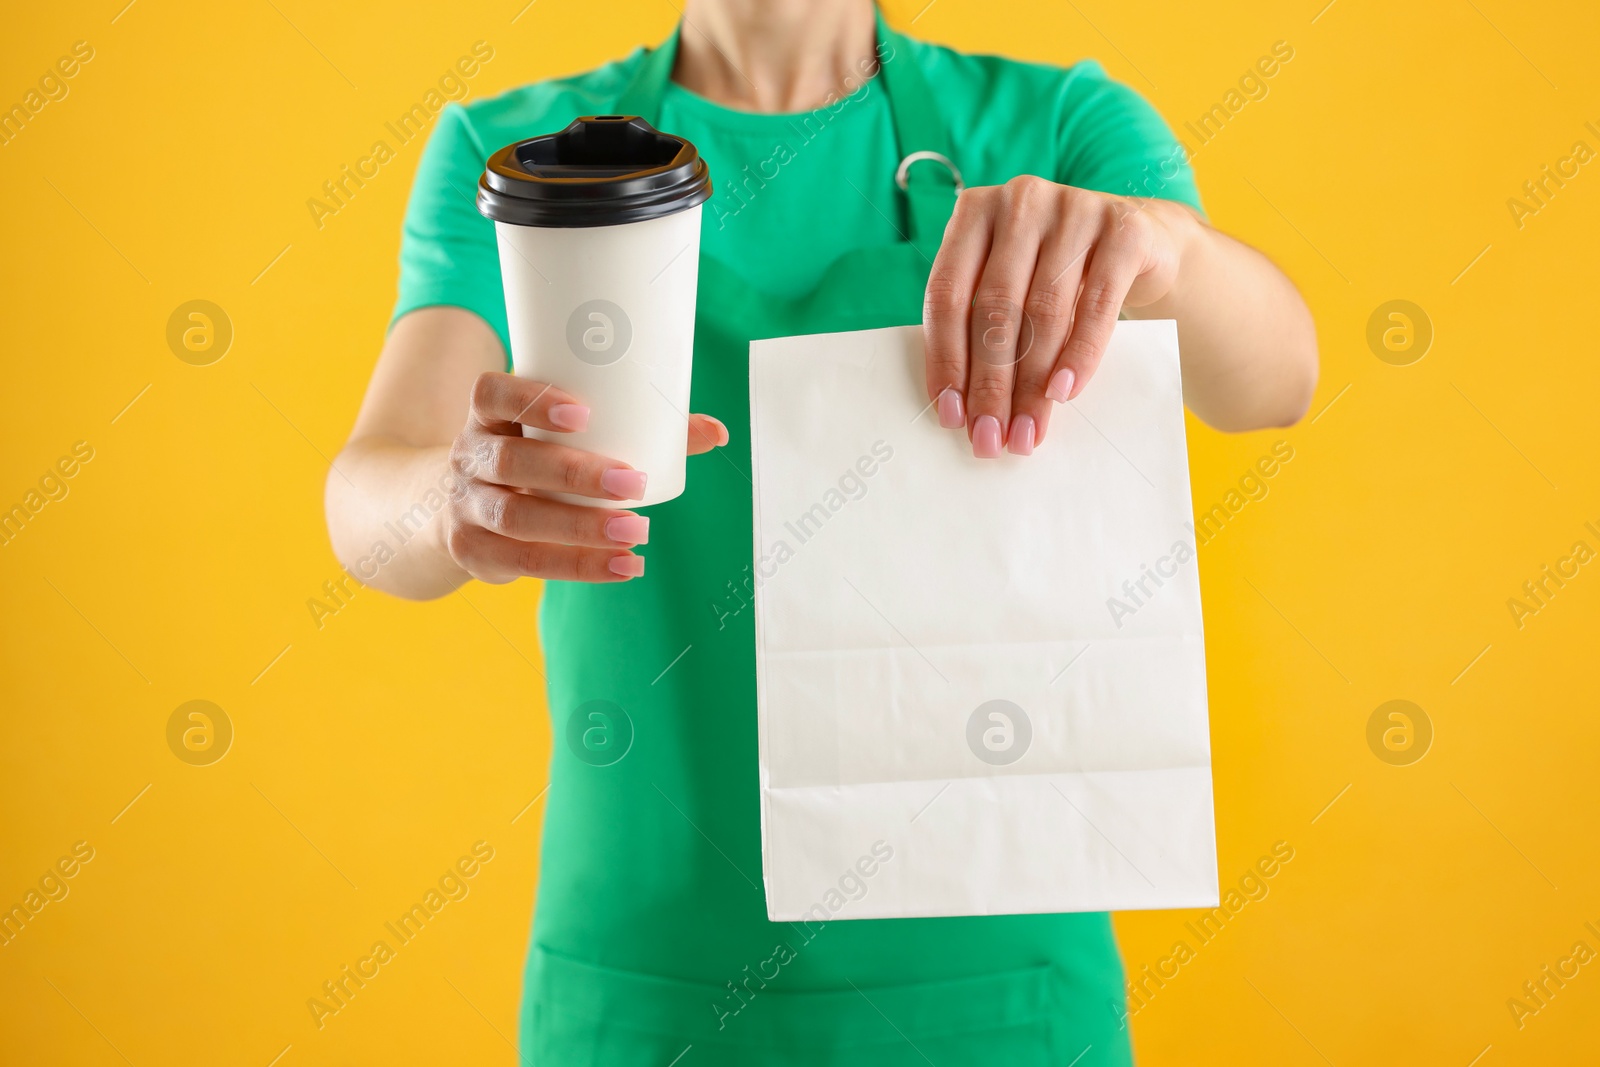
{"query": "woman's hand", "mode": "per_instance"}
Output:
(498, 530)
(1023, 296)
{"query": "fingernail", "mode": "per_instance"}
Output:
(951, 417)
(619, 481)
(721, 436)
(627, 566)
(628, 529)
(1061, 385)
(986, 437)
(1021, 443)
(569, 416)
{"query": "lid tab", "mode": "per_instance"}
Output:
(602, 170)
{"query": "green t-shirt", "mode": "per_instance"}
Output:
(814, 184)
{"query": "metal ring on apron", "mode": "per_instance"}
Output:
(904, 169)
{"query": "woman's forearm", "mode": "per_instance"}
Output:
(1248, 345)
(386, 511)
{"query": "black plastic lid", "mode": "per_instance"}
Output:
(602, 170)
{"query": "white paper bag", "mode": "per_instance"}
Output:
(981, 682)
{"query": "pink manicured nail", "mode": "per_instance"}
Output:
(951, 417)
(619, 481)
(986, 437)
(569, 416)
(1061, 385)
(628, 529)
(1021, 443)
(627, 566)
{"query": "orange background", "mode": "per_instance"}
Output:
(371, 753)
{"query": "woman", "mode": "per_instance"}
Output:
(650, 942)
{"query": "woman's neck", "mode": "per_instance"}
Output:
(775, 55)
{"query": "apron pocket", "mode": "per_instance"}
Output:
(583, 1015)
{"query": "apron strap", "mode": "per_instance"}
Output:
(927, 175)
(643, 95)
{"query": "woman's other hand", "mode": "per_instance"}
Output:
(1023, 296)
(438, 445)
(498, 529)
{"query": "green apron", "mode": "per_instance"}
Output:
(650, 938)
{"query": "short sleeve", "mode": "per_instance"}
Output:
(448, 253)
(1113, 141)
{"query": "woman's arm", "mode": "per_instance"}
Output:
(1245, 337)
(1028, 285)
(434, 486)
(399, 449)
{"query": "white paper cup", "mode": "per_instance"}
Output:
(599, 235)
